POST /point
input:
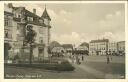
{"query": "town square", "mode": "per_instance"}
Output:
(64, 41)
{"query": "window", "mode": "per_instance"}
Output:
(41, 21)
(30, 18)
(19, 15)
(18, 26)
(7, 21)
(6, 34)
(17, 37)
(41, 30)
(41, 40)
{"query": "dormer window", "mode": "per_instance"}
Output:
(41, 21)
(30, 18)
(17, 15)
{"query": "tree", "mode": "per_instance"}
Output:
(29, 39)
(54, 44)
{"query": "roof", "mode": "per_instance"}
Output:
(97, 41)
(121, 42)
(84, 44)
(45, 15)
(67, 46)
(8, 13)
(28, 13)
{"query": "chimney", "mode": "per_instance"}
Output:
(10, 5)
(34, 11)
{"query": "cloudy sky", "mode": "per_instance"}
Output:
(82, 22)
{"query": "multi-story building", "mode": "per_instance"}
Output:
(98, 47)
(19, 19)
(84, 48)
(121, 47)
(8, 30)
(112, 48)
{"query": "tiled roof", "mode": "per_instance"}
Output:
(121, 42)
(84, 44)
(36, 18)
(28, 13)
(67, 46)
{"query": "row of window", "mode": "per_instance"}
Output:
(17, 15)
(103, 43)
(7, 21)
(97, 49)
(31, 19)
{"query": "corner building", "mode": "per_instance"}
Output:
(16, 31)
(98, 47)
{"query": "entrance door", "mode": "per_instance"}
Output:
(6, 48)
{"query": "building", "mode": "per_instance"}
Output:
(54, 44)
(83, 48)
(58, 51)
(98, 47)
(68, 48)
(121, 47)
(8, 30)
(17, 19)
(112, 48)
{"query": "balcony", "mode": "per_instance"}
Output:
(20, 20)
(17, 19)
(7, 40)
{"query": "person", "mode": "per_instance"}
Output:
(108, 60)
(107, 57)
(82, 58)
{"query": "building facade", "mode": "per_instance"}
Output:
(20, 19)
(121, 47)
(8, 30)
(98, 47)
(68, 49)
(83, 48)
(112, 48)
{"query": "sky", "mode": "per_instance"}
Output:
(82, 22)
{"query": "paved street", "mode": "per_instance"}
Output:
(97, 66)
(92, 68)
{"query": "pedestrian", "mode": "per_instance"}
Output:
(79, 61)
(108, 60)
(107, 57)
(82, 58)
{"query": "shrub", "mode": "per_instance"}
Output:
(65, 66)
